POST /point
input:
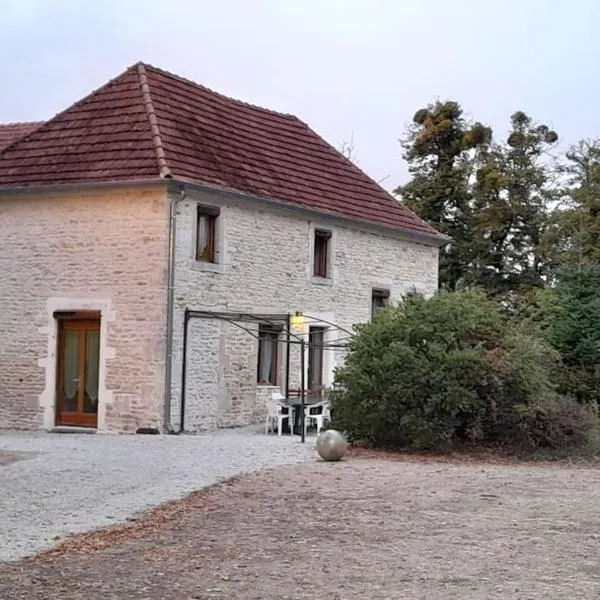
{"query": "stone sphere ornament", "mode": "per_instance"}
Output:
(331, 445)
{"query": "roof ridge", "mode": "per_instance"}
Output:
(163, 167)
(215, 93)
(24, 137)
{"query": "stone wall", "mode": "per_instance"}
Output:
(103, 250)
(264, 265)
(107, 251)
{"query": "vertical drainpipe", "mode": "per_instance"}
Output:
(170, 309)
(186, 323)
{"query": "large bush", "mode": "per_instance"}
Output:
(434, 372)
(559, 424)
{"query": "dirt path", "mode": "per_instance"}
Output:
(372, 529)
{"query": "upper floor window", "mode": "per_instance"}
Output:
(379, 299)
(206, 233)
(268, 354)
(321, 253)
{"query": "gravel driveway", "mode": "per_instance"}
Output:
(358, 529)
(55, 484)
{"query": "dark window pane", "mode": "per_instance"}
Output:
(315, 358)
(321, 253)
(379, 299)
(205, 234)
(268, 347)
(92, 365)
(71, 381)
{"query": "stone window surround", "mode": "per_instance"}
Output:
(330, 334)
(313, 227)
(219, 259)
(279, 366)
(379, 293)
(47, 399)
(206, 217)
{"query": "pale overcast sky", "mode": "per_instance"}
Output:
(345, 66)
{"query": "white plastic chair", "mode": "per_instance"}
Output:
(318, 418)
(275, 414)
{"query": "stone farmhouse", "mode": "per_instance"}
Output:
(155, 199)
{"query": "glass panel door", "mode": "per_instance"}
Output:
(77, 373)
(92, 366)
(70, 371)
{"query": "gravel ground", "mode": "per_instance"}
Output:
(55, 484)
(376, 529)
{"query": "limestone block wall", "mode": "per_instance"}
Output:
(264, 265)
(94, 250)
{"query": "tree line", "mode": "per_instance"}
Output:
(524, 222)
(515, 209)
(508, 352)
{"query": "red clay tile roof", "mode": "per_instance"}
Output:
(147, 123)
(11, 132)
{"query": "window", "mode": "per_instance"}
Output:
(379, 299)
(206, 233)
(321, 264)
(268, 351)
(316, 337)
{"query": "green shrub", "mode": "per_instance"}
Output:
(561, 424)
(435, 372)
(580, 381)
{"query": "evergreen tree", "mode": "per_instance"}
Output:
(440, 150)
(572, 326)
(577, 233)
(512, 201)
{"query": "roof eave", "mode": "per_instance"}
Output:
(437, 240)
(19, 190)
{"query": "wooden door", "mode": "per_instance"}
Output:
(77, 373)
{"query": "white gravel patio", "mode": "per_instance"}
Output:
(70, 483)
